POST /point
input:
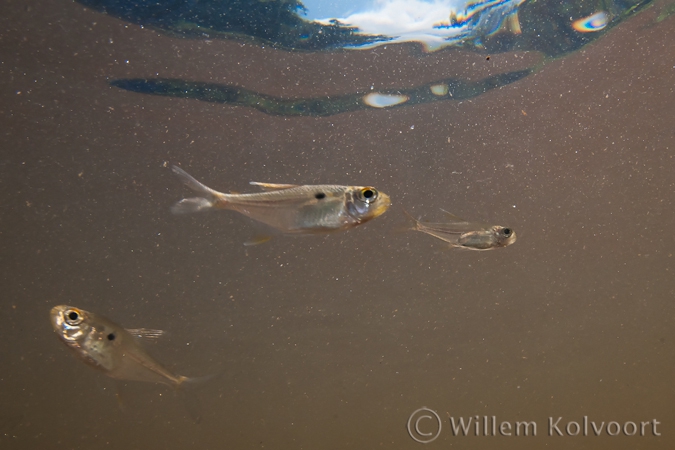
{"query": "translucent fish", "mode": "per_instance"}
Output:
(467, 235)
(110, 348)
(290, 208)
(594, 22)
(377, 100)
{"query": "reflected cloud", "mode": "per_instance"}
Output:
(434, 24)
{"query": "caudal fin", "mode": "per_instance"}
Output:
(185, 388)
(195, 204)
(414, 223)
(191, 205)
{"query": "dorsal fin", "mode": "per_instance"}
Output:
(453, 217)
(145, 333)
(458, 221)
(272, 186)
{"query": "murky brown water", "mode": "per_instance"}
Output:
(332, 342)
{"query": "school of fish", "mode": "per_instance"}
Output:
(287, 208)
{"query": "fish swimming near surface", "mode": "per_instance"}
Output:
(462, 234)
(110, 348)
(291, 208)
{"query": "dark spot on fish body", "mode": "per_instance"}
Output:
(320, 196)
(111, 337)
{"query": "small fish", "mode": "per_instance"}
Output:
(110, 348)
(291, 208)
(462, 234)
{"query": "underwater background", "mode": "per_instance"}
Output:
(334, 341)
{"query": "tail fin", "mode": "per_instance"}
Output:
(194, 382)
(415, 223)
(412, 224)
(194, 204)
(185, 389)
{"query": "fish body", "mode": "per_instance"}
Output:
(467, 235)
(290, 208)
(108, 347)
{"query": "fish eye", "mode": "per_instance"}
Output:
(507, 232)
(72, 317)
(319, 196)
(368, 194)
(111, 337)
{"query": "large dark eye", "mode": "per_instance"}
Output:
(72, 317)
(111, 337)
(507, 232)
(319, 195)
(368, 194)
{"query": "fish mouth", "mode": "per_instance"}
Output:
(56, 316)
(382, 207)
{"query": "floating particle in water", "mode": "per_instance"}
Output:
(377, 100)
(594, 22)
(439, 89)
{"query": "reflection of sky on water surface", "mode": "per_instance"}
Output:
(435, 24)
(319, 9)
(492, 26)
(489, 26)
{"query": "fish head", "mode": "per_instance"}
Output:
(503, 236)
(92, 338)
(366, 203)
(69, 323)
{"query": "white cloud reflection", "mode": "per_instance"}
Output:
(434, 24)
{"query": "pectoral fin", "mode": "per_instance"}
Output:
(272, 186)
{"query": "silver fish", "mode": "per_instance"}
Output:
(108, 347)
(462, 234)
(291, 208)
